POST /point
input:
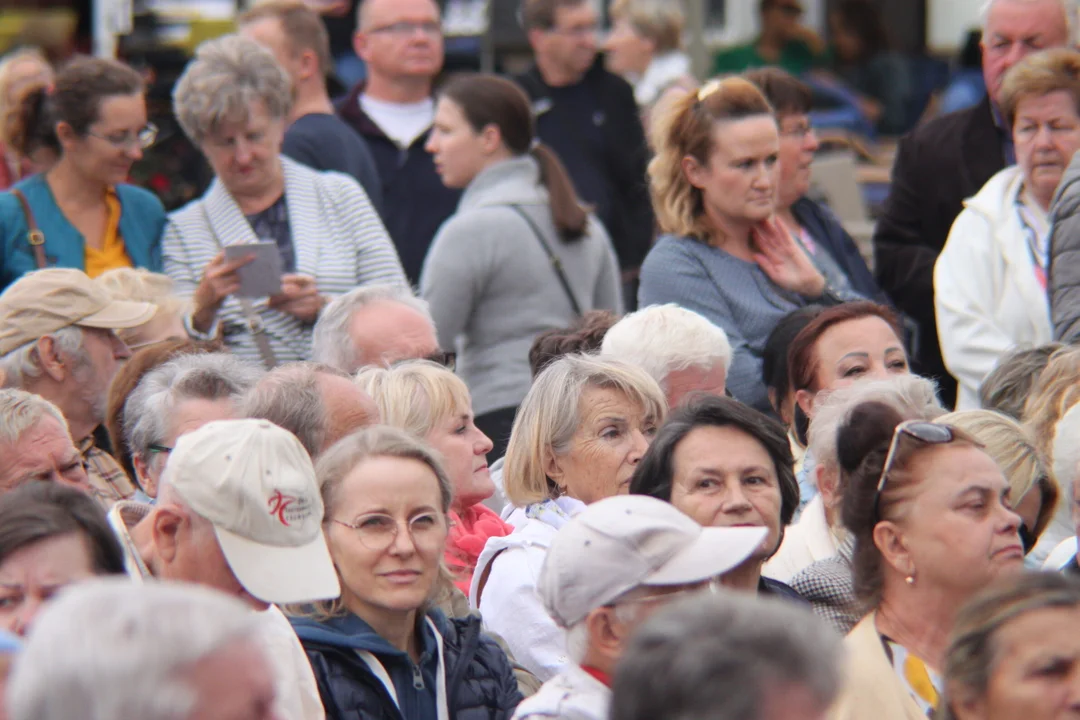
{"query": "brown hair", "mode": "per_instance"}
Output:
(1054, 393)
(1039, 75)
(491, 100)
(802, 356)
(586, 335)
(787, 94)
(540, 14)
(301, 25)
(1009, 385)
(75, 99)
(684, 128)
(661, 21)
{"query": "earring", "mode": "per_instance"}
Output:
(910, 580)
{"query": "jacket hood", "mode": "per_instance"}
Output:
(996, 197)
(513, 181)
(352, 633)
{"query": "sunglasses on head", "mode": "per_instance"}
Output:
(926, 433)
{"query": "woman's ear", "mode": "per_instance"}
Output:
(805, 400)
(491, 139)
(827, 481)
(694, 171)
(553, 469)
(890, 542)
(65, 133)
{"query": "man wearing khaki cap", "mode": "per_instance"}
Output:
(607, 570)
(57, 340)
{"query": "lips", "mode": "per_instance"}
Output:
(401, 577)
(1011, 551)
(482, 468)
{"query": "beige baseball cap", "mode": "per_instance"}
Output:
(255, 483)
(619, 543)
(44, 301)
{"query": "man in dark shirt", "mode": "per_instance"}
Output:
(590, 118)
(317, 137)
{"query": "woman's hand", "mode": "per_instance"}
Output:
(299, 297)
(219, 281)
(785, 262)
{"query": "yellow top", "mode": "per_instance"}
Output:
(112, 254)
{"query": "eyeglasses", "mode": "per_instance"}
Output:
(446, 358)
(163, 449)
(125, 141)
(404, 29)
(797, 131)
(925, 432)
(578, 31)
(378, 532)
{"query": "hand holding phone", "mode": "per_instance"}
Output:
(261, 275)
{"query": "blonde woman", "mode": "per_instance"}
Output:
(645, 47)
(140, 285)
(19, 70)
(432, 404)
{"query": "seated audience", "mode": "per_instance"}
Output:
(374, 325)
(51, 537)
(1009, 384)
(645, 47)
(1066, 465)
(727, 656)
(141, 285)
(35, 444)
(726, 465)
(378, 650)
(580, 432)
(1013, 652)
(116, 651)
(232, 102)
(175, 398)
(681, 350)
(585, 336)
(20, 70)
(433, 405)
(734, 264)
(520, 216)
(927, 509)
(318, 404)
(784, 42)
(607, 570)
(58, 340)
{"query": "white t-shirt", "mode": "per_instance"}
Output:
(402, 123)
(297, 691)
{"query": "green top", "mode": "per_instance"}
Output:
(796, 58)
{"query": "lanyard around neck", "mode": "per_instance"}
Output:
(380, 672)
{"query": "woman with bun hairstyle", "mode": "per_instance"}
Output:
(80, 213)
(19, 70)
(714, 186)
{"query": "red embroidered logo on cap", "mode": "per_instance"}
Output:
(279, 503)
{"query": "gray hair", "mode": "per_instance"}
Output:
(1070, 7)
(20, 411)
(21, 364)
(227, 75)
(289, 397)
(663, 339)
(209, 376)
(721, 655)
(331, 342)
(1066, 458)
(113, 650)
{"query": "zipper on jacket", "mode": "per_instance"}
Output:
(417, 676)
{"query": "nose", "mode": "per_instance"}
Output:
(812, 143)
(430, 146)
(402, 545)
(243, 152)
(735, 500)
(1017, 52)
(1010, 519)
(134, 152)
(25, 616)
(639, 445)
(483, 443)
(120, 349)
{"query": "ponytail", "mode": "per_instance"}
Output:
(570, 216)
(28, 126)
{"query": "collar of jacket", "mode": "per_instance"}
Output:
(508, 182)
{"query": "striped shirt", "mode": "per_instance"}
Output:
(108, 481)
(337, 236)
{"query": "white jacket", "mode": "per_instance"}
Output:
(573, 694)
(986, 296)
(805, 542)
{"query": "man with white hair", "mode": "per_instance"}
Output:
(35, 444)
(374, 325)
(1067, 472)
(58, 340)
(110, 650)
(605, 572)
(239, 510)
(680, 349)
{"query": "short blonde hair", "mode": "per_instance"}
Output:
(1012, 447)
(1056, 390)
(415, 395)
(658, 20)
(140, 285)
(550, 414)
(1039, 75)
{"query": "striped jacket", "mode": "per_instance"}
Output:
(337, 236)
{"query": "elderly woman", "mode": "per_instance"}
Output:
(725, 465)
(1014, 651)
(645, 47)
(19, 70)
(378, 651)
(578, 436)
(139, 285)
(432, 404)
(232, 102)
(714, 185)
(929, 513)
(990, 279)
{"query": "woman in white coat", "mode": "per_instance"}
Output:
(990, 279)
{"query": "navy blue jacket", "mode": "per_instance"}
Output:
(827, 232)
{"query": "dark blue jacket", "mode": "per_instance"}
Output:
(827, 232)
(480, 684)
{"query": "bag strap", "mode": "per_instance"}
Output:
(556, 263)
(35, 237)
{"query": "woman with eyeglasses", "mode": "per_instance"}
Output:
(929, 512)
(81, 213)
(380, 650)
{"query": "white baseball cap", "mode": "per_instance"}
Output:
(255, 482)
(619, 543)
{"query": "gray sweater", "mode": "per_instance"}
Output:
(489, 280)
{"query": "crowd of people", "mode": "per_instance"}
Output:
(548, 397)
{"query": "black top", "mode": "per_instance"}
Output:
(777, 589)
(325, 142)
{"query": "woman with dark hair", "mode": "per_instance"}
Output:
(725, 464)
(51, 536)
(522, 254)
(81, 213)
(928, 511)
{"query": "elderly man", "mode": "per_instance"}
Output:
(110, 650)
(57, 340)
(606, 571)
(948, 160)
(725, 656)
(239, 510)
(680, 349)
(374, 325)
(35, 444)
(175, 398)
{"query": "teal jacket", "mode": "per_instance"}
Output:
(142, 219)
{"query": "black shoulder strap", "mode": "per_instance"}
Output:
(556, 263)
